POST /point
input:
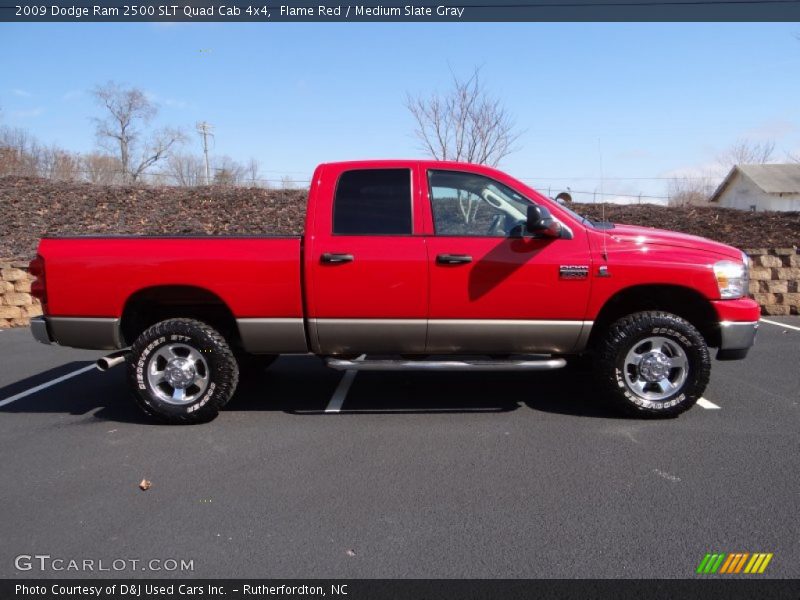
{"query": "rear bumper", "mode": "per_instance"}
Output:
(39, 330)
(78, 332)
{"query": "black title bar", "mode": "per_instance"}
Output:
(392, 11)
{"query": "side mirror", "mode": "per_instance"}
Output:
(540, 222)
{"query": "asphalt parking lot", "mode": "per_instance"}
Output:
(417, 475)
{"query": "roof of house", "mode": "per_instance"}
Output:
(770, 179)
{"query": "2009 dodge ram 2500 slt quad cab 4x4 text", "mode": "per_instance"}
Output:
(440, 265)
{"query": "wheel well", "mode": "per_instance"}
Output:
(151, 305)
(684, 302)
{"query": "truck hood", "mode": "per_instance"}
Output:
(631, 234)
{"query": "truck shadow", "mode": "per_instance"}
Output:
(303, 386)
(290, 386)
(98, 395)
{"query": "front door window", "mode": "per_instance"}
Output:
(466, 204)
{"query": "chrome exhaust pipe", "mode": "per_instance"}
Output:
(112, 360)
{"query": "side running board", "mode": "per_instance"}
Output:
(542, 364)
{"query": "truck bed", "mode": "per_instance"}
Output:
(254, 276)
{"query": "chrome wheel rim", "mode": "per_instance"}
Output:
(177, 374)
(656, 368)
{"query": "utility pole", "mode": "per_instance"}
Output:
(205, 129)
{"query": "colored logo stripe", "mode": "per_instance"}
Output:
(710, 563)
(732, 558)
(734, 563)
(758, 563)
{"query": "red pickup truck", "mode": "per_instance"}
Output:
(404, 264)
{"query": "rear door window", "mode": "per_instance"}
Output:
(373, 202)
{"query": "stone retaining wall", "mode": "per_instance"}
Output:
(775, 280)
(17, 305)
(774, 284)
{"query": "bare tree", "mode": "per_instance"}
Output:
(690, 191)
(19, 152)
(129, 110)
(746, 152)
(22, 154)
(102, 169)
(227, 171)
(252, 172)
(59, 165)
(158, 148)
(464, 124)
(187, 170)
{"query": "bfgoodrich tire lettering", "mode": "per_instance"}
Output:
(178, 348)
(653, 364)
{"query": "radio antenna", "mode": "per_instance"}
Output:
(602, 199)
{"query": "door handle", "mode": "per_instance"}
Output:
(333, 258)
(453, 259)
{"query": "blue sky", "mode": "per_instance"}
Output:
(657, 99)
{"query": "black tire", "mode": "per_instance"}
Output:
(627, 340)
(215, 369)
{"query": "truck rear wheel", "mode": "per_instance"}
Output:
(182, 371)
(653, 364)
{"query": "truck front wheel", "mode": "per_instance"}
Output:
(182, 371)
(653, 364)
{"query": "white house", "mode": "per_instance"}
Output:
(760, 187)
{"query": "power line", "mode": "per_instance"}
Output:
(607, 178)
(616, 195)
(84, 171)
(283, 172)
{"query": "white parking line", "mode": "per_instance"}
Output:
(335, 404)
(336, 401)
(33, 390)
(707, 404)
(779, 324)
(390, 411)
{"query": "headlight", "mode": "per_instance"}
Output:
(732, 278)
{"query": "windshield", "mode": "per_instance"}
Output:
(579, 217)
